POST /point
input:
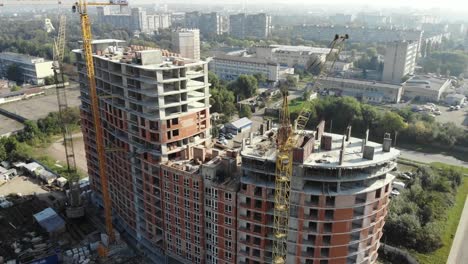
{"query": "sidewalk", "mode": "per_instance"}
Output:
(459, 250)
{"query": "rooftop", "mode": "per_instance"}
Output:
(132, 54)
(316, 50)
(431, 82)
(245, 59)
(364, 82)
(264, 148)
(240, 123)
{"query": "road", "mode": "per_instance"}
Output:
(429, 158)
(459, 250)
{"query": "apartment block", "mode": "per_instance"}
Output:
(339, 199)
(136, 19)
(186, 42)
(208, 23)
(254, 25)
(33, 69)
(400, 60)
(356, 34)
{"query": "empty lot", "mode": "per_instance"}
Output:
(39, 106)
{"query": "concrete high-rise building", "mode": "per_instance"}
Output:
(339, 199)
(157, 106)
(134, 19)
(400, 60)
(256, 25)
(186, 42)
(208, 23)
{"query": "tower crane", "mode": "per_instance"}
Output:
(286, 141)
(81, 7)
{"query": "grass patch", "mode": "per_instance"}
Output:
(450, 223)
(296, 105)
(434, 149)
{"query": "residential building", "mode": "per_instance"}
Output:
(252, 25)
(136, 19)
(368, 91)
(400, 60)
(208, 23)
(373, 19)
(230, 67)
(342, 19)
(426, 87)
(33, 70)
(356, 34)
(338, 200)
(155, 108)
(291, 56)
(186, 42)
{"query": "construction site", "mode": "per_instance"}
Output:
(164, 191)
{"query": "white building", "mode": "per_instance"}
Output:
(400, 60)
(33, 69)
(186, 42)
(367, 91)
(291, 55)
(339, 66)
(426, 88)
(230, 67)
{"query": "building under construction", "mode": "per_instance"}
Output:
(183, 200)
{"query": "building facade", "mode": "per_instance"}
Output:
(136, 19)
(426, 88)
(33, 70)
(338, 201)
(291, 56)
(254, 25)
(400, 60)
(186, 42)
(230, 67)
(208, 23)
(367, 91)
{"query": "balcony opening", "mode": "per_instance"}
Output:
(258, 191)
(329, 214)
(312, 226)
(377, 193)
(258, 204)
(314, 200)
(311, 239)
(326, 240)
(257, 217)
(257, 229)
(313, 213)
(257, 241)
(324, 252)
(330, 201)
(327, 227)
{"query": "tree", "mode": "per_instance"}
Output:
(49, 80)
(393, 122)
(261, 77)
(291, 81)
(245, 86)
(245, 111)
(3, 153)
(370, 116)
(229, 110)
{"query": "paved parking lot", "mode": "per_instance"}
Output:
(39, 106)
(459, 117)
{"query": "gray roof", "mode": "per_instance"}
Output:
(426, 81)
(240, 123)
(245, 59)
(49, 220)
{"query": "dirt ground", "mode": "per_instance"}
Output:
(57, 151)
(23, 185)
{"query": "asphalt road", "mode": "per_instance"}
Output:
(459, 250)
(429, 158)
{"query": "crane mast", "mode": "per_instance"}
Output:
(59, 51)
(81, 7)
(286, 140)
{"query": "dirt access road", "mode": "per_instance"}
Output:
(57, 151)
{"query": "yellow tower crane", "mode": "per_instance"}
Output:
(81, 7)
(286, 141)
